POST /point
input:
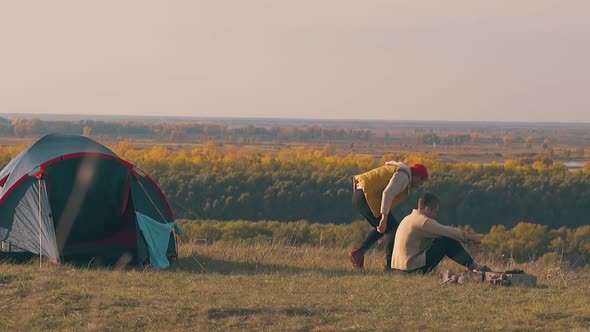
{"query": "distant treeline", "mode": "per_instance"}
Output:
(174, 131)
(315, 185)
(244, 133)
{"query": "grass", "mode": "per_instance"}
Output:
(223, 287)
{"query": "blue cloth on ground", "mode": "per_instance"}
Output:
(157, 236)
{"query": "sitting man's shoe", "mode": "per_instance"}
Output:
(357, 258)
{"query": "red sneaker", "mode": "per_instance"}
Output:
(357, 258)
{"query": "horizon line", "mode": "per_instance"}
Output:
(221, 117)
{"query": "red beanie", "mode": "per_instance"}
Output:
(419, 170)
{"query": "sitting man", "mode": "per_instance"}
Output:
(421, 242)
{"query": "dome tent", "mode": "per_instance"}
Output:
(69, 198)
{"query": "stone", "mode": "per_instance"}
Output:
(445, 275)
(471, 276)
(522, 280)
(517, 279)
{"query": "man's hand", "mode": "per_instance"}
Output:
(382, 228)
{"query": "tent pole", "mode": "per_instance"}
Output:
(40, 226)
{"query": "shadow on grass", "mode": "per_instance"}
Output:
(276, 318)
(205, 264)
(195, 264)
(6, 279)
(221, 313)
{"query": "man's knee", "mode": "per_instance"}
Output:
(448, 242)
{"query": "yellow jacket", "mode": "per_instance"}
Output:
(373, 183)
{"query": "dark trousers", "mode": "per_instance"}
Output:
(359, 202)
(444, 246)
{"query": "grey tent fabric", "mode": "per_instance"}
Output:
(45, 149)
(33, 229)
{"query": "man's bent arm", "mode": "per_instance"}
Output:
(398, 183)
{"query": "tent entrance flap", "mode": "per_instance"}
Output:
(157, 237)
(33, 229)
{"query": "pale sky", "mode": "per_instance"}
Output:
(469, 60)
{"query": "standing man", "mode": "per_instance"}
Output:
(421, 242)
(375, 194)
